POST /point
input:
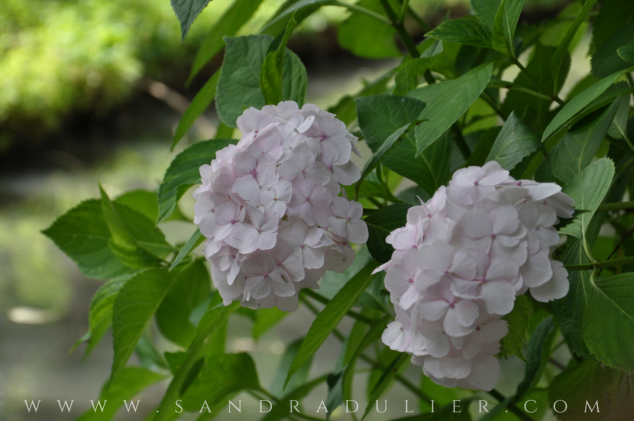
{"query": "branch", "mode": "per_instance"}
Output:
(615, 206)
(318, 297)
(600, 265)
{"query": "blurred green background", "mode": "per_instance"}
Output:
(91, 90)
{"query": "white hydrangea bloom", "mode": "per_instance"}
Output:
(270, 206)
(460, 261)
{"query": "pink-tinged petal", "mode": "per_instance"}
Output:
(294, 266)
(266, 240)
(437, 256)
(288, 171)
(344, 148)
(436, 341)
(258, 287)
(313, 257)
(337, 261)
(537, 269)
(502, 269)
(356, 209)
(320, 197)
(244, 163)
(346, 174)
(505, 219)
(318, 171)
(409, 298)
(476, 223)
(340, 207)
(394, 337)
(484, 373)
(494, 178)
(222, 232)
(284, 191)
(467, 312)
(208, 225)
(541, 191)
(494, 331)
(528, 214)
(305, 211)
(557, 287)
(358, 232)
(329, 154)
(248, 189)
(469, 290)
(453, 368)
(432, 309)
(471, 346)
(463, 266)
(281, 283)
(498, 297)
(466, 176)
(402, 238)
(549, 236)
(256, 217)
(453, 327)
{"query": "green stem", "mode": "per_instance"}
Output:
(491, 103)
(461, 142)
(600, 265)
(615, 206)
(426, 27)
(363, 10)
(400, 29)
(530, 77)
(404, 8)
(318, 297)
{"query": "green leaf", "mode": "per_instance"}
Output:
(579, 102)
(239, 83)
(142, 201)
(537, 355)
(187, 11)
(100, 313)
(220, 378)
(330, 317)
(194, 241)
(265, 319)
(239, 13)
(131, 382)
(379, 154)
(190, 287)
(486, 10)
(386, 378)
(183, 173)
(562, 48)
(576, 150)
(453, 100)
(468, 30)
(409, 75)
(483, 147)
(517, 319)
(281, 411)
(212, 320)
(588, 189)
(82, 233)
(277, 385)
(133, 308)
(504, 25)
(366, 36)
(613, 15)
(627, 53)
(135, 241)
(380, 224)
(609, 321)
(199, 104)
(607, 59)
(581, 383)
(272, 68)
(514, 143)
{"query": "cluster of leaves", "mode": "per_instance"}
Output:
(446, 105)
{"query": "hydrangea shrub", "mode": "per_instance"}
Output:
(490, 220)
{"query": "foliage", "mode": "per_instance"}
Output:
(441, 108)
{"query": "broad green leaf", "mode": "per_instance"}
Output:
(447, 107)
(281, 411)
(335, 392)
(504, 25)
(228, 24)
(184, 172)
(82, 233)
(379, 154)
(486, 10)
(277, 385)
(579, 102)
(330, 317)
(386, 378)
(239, 83)
(187, 11)
(409, 75)
(100, 313)
(517, 319)
(578, 384)
(576, 150)
(627, 53)
(265, 319)
(366, 36)
(194, 241)
(562, 48)
(382, 115)
(468, 30)
(483, 147)
(301, 9)
(607, 59)
(142, 201)
(537, 355)
(211, 321)
(609, 321)
(199, 104)
(273, 66)
(190, 287)
(613, 15)
(133, 308)
(380, 224)
(147, 354)
(220, 378)
(514, 143)
(131, 382)
(588, 189)
(136, 241)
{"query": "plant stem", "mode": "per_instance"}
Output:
(318, 297)
(400, 29)
(514, 409)
(600, 265)
(623, 240)
(491, 103)
(461, 142)
(404, 8)
(363, 10)
(426, 27)
(530, 77)
(615, 206)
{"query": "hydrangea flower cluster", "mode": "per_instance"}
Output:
(459, 263)
(270, 206)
